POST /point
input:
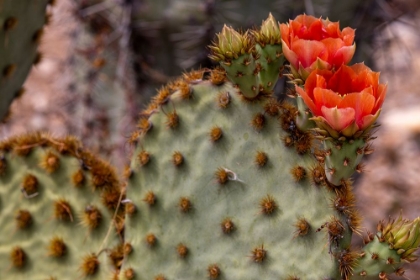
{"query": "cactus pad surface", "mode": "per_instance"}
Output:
(247, 201)
(57, 202)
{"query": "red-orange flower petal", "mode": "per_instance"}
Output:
(308, 51)
(344, 54)
(342, 80)
(345, 102)
(302, 39)
(348, 35)
(308, 100)
(338, 119)
(368, 120)
(326, 97)
(381, 93)
(284, 32)
(362, 102)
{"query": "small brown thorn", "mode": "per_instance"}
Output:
(346, 162)
(172, 120)
(223, 100)
(18, 257)
(162, 97)
(360, 168)
(368, 238)
(399, 271)
(185, 205)
(57, 248)
(347, 262)
(182, 250)
(268, 205)
(160, 277)
(261, 159)
(288, 141)
(23, 219)
(50, 162)
(90, 265)
(227, 226)
(318, 175)
(272, 107)
(150, 198)
(374, 256)
(129, 273)
(390, 261)
(217, 77)
(224, 175)
(30, 185)
(302, 227)
(298, 173)
(78, 178)
(92, 217)
(259, 254)
(368, 150)
(151, 240)
(177, 159)
(213, 271)
(215, 134)
(383, 276)
(62, 210)
(143, 157)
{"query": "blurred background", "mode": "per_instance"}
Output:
(102, 60)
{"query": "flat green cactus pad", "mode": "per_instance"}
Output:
(57, 203)
(215, 193)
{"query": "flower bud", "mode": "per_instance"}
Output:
(403, 236)
(230, 45)
(269, 32)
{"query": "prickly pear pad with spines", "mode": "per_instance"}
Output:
(21, 25)
(57, 203)
(377, 257)
(239, 205)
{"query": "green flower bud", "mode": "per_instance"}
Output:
(230, 45)
(403, 236)
(269, 32)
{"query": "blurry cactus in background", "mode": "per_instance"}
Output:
(21, 30)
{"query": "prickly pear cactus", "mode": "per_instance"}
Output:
(57, 202)
(21, 28)
(226, 188)
(225, 183)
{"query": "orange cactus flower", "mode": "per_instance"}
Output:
(313, 43)
(345, 102)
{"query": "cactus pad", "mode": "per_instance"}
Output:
(247, 201)
(57, 202)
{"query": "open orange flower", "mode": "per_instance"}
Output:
(344, 102)
(309, 43)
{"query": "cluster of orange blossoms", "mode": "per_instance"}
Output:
(345, 100)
